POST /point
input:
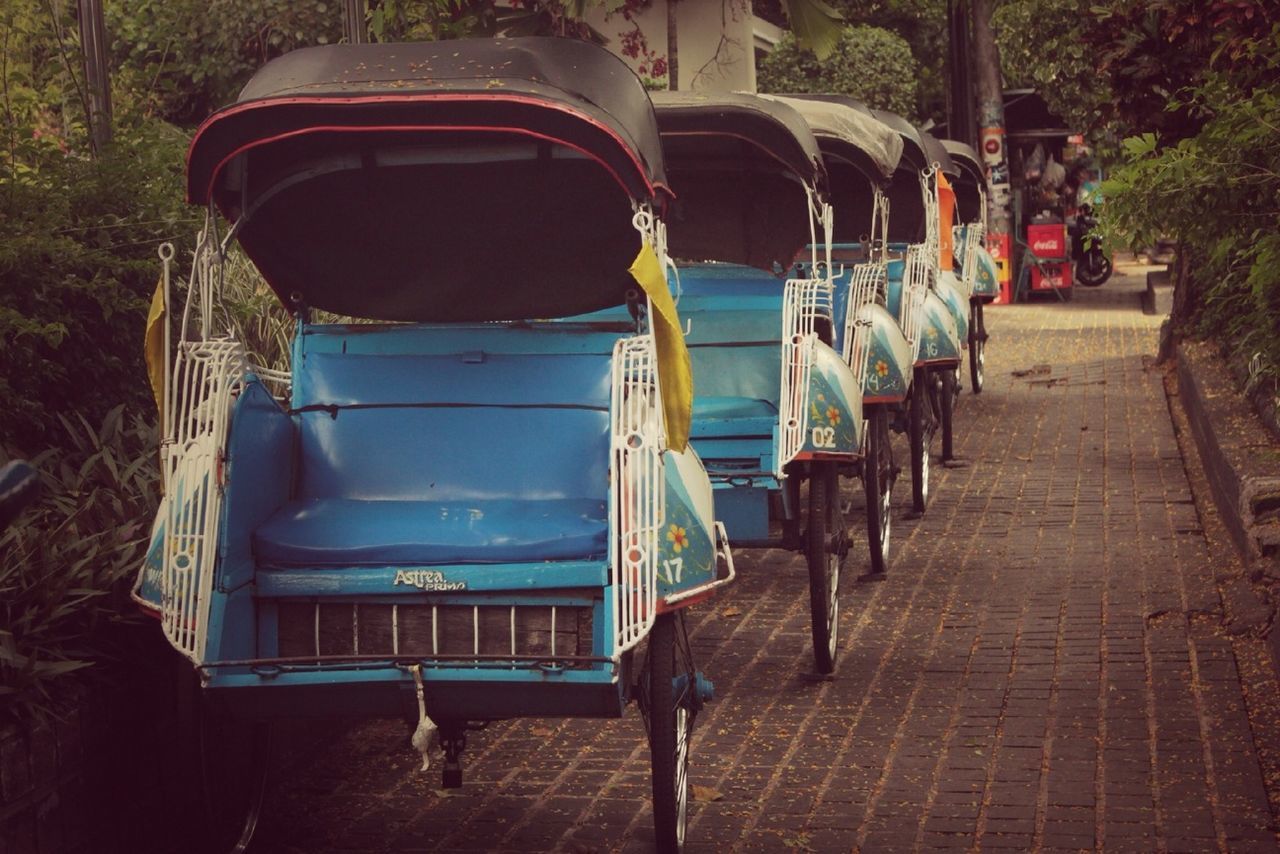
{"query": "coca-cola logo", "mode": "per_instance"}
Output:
(1044, 244)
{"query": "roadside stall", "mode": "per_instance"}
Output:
(1040, 151)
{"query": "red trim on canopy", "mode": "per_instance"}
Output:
(416, 128)
(400, 99)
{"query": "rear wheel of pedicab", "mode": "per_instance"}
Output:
(825, 548)
(947, 392)
(977, 347)
(877, 481)
(671, 708)
(920, 427)
(226, 761)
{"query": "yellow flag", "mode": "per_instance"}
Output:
(674, 371)
(153, 349)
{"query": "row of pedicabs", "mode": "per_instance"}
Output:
(492, 487)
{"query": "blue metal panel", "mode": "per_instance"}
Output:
(985, 283)
(258, 472)
(686, 549)
(834, 420)
(233, 631)
(948, 290)
(444, 339)
(895, 270)
(474, 376)
(410, 581)
(721, 454)
(744, 510)
(888, 358)
(938, 340)
(732, 280)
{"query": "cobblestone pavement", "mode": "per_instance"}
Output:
(1042, 669)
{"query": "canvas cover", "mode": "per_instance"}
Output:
(846, 128)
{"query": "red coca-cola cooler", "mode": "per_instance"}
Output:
(1049, 243)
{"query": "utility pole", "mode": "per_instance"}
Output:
(97, 76)
(961, 119)
(673, 62)
(991, 133)
(353, 26)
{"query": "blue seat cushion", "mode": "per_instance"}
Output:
(355, 532)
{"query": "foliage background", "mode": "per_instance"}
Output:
(1193, 84)
(869, 63)
(1196, 88)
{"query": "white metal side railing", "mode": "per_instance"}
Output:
(932, 238)
(864, 288)
(879, 234)
(637, 511)
(915, 285)
(204, 377)
(804, 302)
(969, 267)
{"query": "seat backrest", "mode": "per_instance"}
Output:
(452, 426)
(734, 315)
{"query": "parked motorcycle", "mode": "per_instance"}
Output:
(1093, 267)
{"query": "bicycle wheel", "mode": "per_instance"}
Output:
(825, 549)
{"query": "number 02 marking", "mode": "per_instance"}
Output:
(824, 437)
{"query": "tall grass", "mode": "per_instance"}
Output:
(67, 564)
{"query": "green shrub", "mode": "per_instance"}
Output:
(77, 269)
(67, 565)
(870, 64)
(1218, 192)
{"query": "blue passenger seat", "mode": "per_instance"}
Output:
(735, 330)
(438, 459)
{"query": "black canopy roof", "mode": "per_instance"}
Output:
(937, 153)
(966, 160)
(971, 181)
(913, 153)
(484, 179)
(737, 163)
(906, 203)
(772, 127)
(846, 128)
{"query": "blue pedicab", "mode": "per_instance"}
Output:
(913, 298)
(453, 514)
(950, 287)
(861, 154)
(775, 405)
(977, 265)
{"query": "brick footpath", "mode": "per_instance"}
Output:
(1043, 668)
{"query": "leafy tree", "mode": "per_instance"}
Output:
(1043, 45)
(869, 63)
(923, 25)
(1204, 165)
(182, 59)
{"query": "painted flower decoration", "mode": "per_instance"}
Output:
(882, 368)
(833, 415)
(678, 537)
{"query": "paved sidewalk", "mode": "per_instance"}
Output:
(1043, 668)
